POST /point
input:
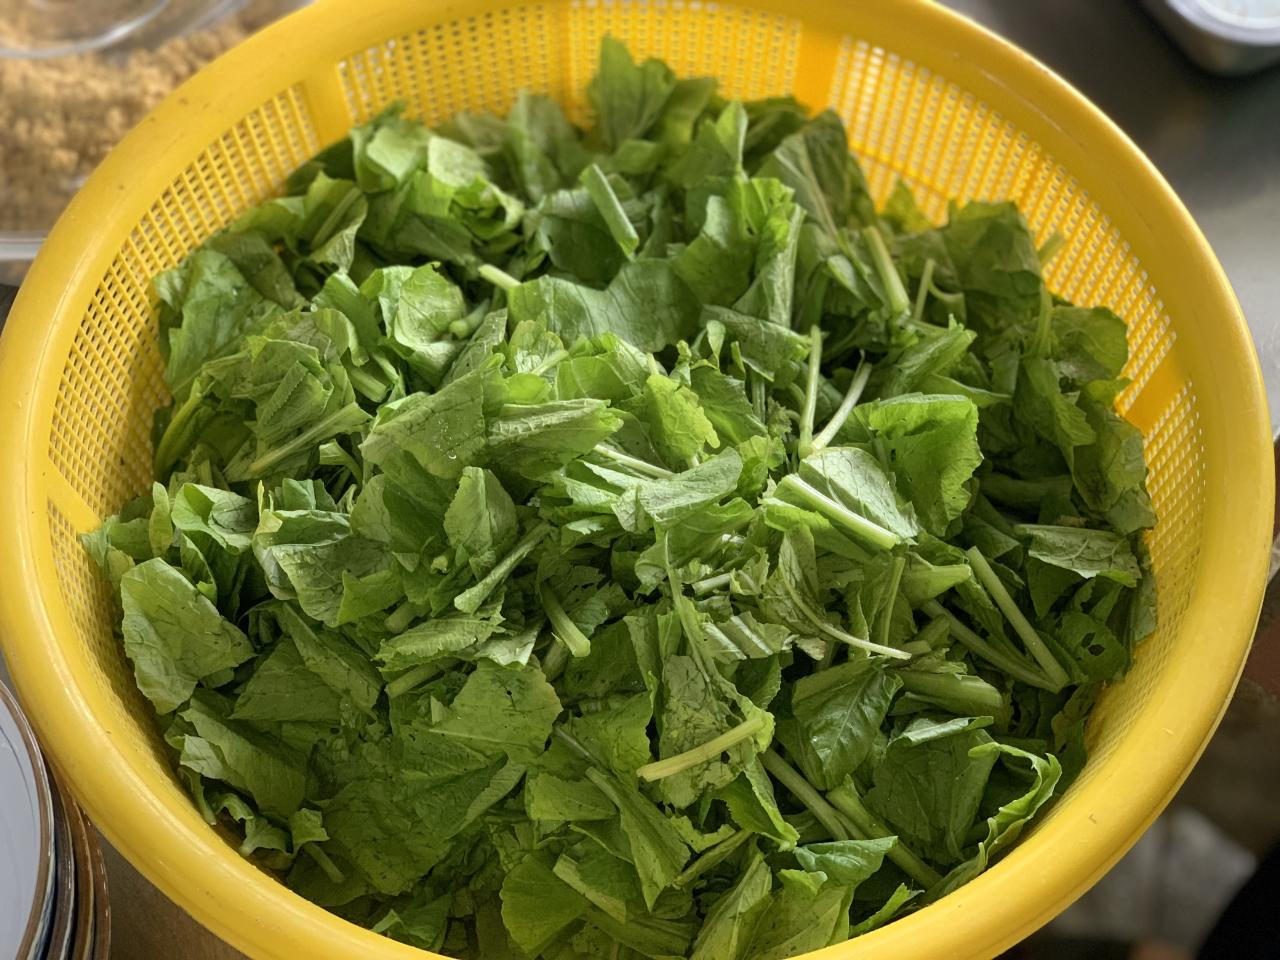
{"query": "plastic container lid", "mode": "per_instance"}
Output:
(26, 837)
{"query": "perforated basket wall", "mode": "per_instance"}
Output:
(906, 120)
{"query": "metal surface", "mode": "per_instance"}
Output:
(1230, 37)
(26, 838)
(1216, 139)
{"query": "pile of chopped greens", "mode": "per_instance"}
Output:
(627, 543)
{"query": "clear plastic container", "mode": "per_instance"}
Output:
(39, 29)
(76, 76)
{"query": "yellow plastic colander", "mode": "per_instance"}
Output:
(927, 97)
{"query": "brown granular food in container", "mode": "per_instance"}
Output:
(60, 117)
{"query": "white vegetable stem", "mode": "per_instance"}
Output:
(810, 392)
(1022, 626)
(846, 801)
(842, 635)
(635, 463)
(922, 292)
(838, 419)
(562, 627)
(800, 788)
(808, 496)
(899, 302)
(707, 751)
(1009, 664)
(499, 278)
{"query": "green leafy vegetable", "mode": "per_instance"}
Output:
(621, 542)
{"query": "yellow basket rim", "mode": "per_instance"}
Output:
(249, 909)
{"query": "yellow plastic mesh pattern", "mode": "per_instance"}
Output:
(93, 611)
(100, 441)
(112, 384)
(433, 71)
(904, 121)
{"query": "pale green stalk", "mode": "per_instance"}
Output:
(1022, 626)
(681, 762)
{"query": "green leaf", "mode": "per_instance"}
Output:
(995, 257)
(533, 439)
(730, 925)
(667, 502)
(900, 897)
(646, 304)
(933, 356)
(333, 658)
(208, 308)
(229, 520)
(1007, 823)
(1089, 553)
(743, 255)
(1088, 343)
(224, 749)
(444, 432)
(394, 827)
(418, 307)
(1040, 403)
(656, 848)
(537, 905)
(839, 712)
(1111, 473)
(767, 348)
(854, 478)
(548, 797)
(607, 882)
(845, 861)
(282, 689)
(933, 451)
(693, 714)
(506, 710)
(481, 520)
(930, 784)
(606, 201)
(419, 924)
(680, 429)
(808, 913)
(617, 734)
(752, 805)
(627, 98)
(576, 237)
(173, 635)
(306, 555)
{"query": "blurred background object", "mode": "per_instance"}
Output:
(26, 838)
(76, 75)
(1224, 36)
(53, 888)
(38, 29)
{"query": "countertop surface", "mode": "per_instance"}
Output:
(1216, 140)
